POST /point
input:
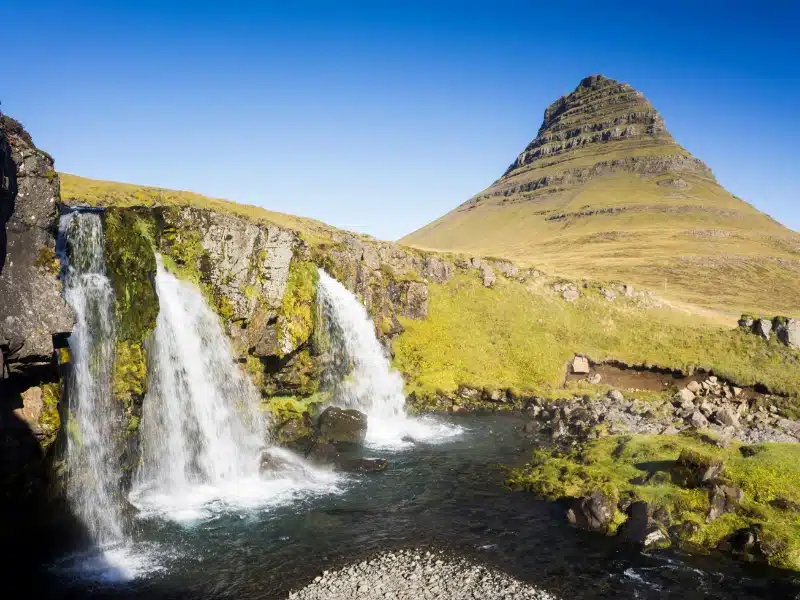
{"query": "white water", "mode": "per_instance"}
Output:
(92, 457)
(92, 483)
(203, 433)
(362, 377)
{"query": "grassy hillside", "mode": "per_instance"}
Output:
(94, 192)
(521, 336)
(634, 207)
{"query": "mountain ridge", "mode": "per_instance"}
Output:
(604, 191)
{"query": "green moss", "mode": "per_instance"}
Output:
(131, 267)
(130, 372)
(297, 314)
(133, 424)
(612, 464)
(50, 418)
(48, 261)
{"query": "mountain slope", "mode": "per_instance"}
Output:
(604, 191)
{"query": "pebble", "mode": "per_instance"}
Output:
(414, 575)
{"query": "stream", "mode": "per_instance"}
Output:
(443, 496)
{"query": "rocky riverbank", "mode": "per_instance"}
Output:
(416, 575)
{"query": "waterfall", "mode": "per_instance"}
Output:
(203, 433)
(92, 483)
(360, 374)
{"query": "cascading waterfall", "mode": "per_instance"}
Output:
(359, 372)
(92, 467)
(203, 433)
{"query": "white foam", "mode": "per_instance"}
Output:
(113, 564)
(294, 480)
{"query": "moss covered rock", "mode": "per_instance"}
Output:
(680, 477)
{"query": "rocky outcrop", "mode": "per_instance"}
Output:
(710, 405)
(34, 321)
(785, 329)
(32, 311)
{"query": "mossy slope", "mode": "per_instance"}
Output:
(768, 474)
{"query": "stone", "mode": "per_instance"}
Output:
(342, 426)
(788, 332)
(629, 291)
(726, 416)
(746, 322)
(580, 365)
(723, 499)
(616, 396)
(694, 470)
(608, 294)
(697, 420)
(684, 395)
(694, 386)
(594, 378)
(593, 512)
(361, 465)
(763, 327)
(487, 275)
(655, 538)
(570, 295)
(634, 529)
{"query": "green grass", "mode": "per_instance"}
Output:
(700, 245)
(521, 336)
(94, 192)
(610, 464)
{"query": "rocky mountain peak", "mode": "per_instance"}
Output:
(600, 111)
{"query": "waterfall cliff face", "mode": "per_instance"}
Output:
(203, 433)
(201, 423)
(359, 374)
(92, 467)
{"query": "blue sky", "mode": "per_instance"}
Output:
(381, 116)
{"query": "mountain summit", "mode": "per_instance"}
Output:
(604, 191)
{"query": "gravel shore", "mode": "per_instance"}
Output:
(416, 575)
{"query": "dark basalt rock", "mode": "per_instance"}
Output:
(593, 512)
(635, 529)
(342, 426)
(723, 499)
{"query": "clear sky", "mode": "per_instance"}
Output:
(380, 116)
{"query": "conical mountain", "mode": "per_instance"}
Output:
(605, 192)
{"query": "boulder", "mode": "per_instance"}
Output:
(593, 512)
(693, 469)
(616, 396)
(655, 538)
(594, 378)
(788, 332)
(746, 322)
(580, 365)
(361, 465)
(685, 395)
(608, 294)
(694, 386)
(342, 426)
(487, 275)
(727, 416)
(634, 529)
(570, 295)
(763, 327)
(723, 499)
